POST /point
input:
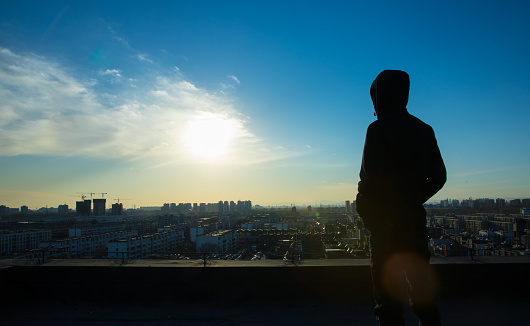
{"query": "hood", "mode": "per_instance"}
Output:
(390, 92)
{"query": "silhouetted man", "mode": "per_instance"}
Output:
(401, 169)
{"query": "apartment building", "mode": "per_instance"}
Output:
(12, 242)
(78, 247)
(166, 241)
(223, 241)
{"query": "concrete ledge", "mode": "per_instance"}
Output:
(306, 282)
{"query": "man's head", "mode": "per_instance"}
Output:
(390, 91)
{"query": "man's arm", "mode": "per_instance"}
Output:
(437, 174)
(372, 168)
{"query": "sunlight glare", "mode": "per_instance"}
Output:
(210, 135)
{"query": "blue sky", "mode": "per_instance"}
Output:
(201, 101)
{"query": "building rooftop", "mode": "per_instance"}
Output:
(482, 291)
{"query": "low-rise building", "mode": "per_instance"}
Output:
(12, 242)
(223, 241)
(166, 241)
(81, 246)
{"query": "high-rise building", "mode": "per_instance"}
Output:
(117, 209)
(83, 207)
(248, 206)
(165, 208)
(233, 207)
(99, 206)
(226, 207)
(24, 209)
(348, 207)
(500, 203)
(62, 209)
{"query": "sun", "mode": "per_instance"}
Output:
(210, 135)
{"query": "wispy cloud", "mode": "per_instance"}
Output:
(47, 111)
(113, 72)
(143, 57)
(234, 78)
(117, 37)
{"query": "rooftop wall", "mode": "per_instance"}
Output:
(171, 283)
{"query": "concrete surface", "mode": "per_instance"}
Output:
(487, 291)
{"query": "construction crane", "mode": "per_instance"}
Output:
(118, 199)
(102, 194)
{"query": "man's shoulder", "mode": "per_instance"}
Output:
(419, 122)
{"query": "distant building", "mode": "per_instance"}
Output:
(348, 207)
(19, 241)
(24, 210)
(83, 207)
(62, 209)
(117, 209)
(500, 203)
(166, 240)
(165, 208)
(77, 247)
(247, 206)
(223, 241)
(99, 206)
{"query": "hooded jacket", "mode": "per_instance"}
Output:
(401, 166)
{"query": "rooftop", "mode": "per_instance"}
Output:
(485, 291)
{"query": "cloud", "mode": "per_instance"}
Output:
(117, 37)
(112, 72)
(143, 57)
(234, 78)
(46, 111)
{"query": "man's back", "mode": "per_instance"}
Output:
(402, 150)
(402, 166)
(401, 169)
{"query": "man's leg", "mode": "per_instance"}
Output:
(388, 308)
(421, 290)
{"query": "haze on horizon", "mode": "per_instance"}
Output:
(269, 102)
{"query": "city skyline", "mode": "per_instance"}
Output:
(495, 202)
(268, 102)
